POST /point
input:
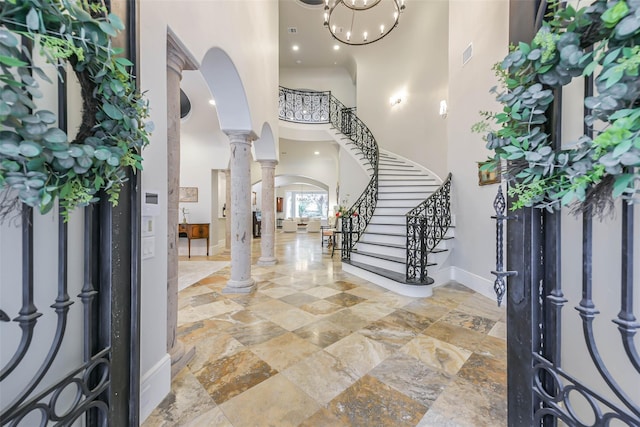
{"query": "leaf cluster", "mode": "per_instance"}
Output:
(571, 43)
(37, 158)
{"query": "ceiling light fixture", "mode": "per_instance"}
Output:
(295, 47)
(212, 101)
(317, 153)
(356, 22)
(336, 47)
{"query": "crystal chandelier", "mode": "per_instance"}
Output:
(360, 22)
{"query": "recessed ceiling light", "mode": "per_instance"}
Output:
(212, 101)
(336, 47)
(295, 47)
(317, 153)
(298, 61)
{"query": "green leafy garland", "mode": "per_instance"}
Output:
(604, 36)
(37, 160)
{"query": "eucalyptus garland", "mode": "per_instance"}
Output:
(603, 38)
(37, 160)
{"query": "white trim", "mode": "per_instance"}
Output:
(443, 276)
(154, 386)
(472, 281)
(392, 285)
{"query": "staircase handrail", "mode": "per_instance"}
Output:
(427, 225)
(303, 106)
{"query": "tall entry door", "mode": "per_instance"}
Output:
(69, 297)
(572, 308)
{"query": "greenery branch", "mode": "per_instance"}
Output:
(38, 162)
(601, 165)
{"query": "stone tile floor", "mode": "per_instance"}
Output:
(314, 346)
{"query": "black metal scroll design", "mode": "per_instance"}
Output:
(500, 284)
(556, 399)
(427, 225)
(322, 107)
(90, 380)
(303, 106)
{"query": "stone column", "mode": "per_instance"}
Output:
(240, 165)
(267, 239)
(227, 200)
(178, 59)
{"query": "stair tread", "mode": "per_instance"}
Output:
(386, 245)
(400, 260)
(398, 277)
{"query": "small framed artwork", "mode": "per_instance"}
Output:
(486, 177)
(188, 194)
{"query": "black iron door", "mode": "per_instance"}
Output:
(572, 351)
(69, 313)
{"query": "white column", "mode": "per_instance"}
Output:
(178, 59)
(267, 256)
(240, 165)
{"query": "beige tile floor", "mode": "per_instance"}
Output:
(314, 346)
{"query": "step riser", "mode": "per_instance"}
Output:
(398, 189)
(397, 219)
(416, 198)
(388, 265)
(382, 203)
(391, 211)
(379, 228)
(409, 174)
(408, 185)
(383, 238)
(382, 250)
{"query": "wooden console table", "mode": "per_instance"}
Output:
(194, 231)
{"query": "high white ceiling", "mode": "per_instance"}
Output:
(316, 45)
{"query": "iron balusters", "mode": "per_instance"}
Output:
(427, 226)
(500, 285)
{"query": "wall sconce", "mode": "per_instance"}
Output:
(395, 100)
(443, 109)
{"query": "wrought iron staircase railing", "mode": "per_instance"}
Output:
(427, 225)
(322, 107)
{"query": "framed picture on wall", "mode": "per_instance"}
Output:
(486, 177)
(188, 194)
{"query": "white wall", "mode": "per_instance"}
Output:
(469, 85)
(337, 80)
(415, 63)
(353, 180)
(297, 159)
(247, 32)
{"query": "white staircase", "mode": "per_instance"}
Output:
(380, 254)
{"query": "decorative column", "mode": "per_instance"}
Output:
(178, 59)
(267, 238)
(240, 164)
(227, 200)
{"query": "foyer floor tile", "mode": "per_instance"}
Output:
(314, 346)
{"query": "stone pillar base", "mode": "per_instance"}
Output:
(180, 357)
(267, 261)
(239, 286)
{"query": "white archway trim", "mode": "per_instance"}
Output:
(225, 84)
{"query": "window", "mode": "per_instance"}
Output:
(307, 204)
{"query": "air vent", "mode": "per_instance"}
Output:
(292, 30)
(467, 54)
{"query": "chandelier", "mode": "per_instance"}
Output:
(360, 22)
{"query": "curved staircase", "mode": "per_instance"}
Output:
(380, 255)
(404, 222)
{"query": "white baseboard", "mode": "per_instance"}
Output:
(154, 386)
(442, 276)
(480, 284)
